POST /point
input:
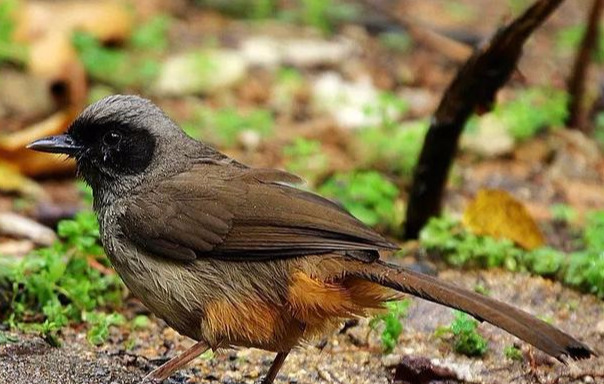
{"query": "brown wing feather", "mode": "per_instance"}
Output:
(245, 214)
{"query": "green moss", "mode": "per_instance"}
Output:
(368, 195)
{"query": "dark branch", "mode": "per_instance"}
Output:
(473, 89)
(576, 82)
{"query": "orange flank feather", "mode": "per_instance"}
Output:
(315, 302)
(313, 308)
(248, 321)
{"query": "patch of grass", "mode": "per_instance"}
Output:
(396, 41)
(6, 338)
(392, 148)
(583, 269)
(59, 285)
(532, 110)
(305, 157)
(464, 335)
(140, 322)
(320, 14)
(223, 126)
(568, 40)
(514, 353)
(152, 35)
(255, 9)
(391, 321)
(599, 129)
(461, 248)
(368, 195)
(517, 6)
(315, 13)
(563, 213)
(134, 65)
(99, 323)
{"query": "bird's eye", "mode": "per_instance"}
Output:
(112, 138)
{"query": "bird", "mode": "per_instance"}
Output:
(236, 256)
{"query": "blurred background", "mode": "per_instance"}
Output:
(338, 92)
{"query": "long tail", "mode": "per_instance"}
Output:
(544, 336)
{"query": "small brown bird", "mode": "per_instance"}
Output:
(235, 256)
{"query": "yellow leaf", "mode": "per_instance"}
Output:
(12, 181)
(496, 213)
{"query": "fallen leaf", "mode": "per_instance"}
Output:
(12, 181)
(496, 213)
(14, 225)
(47, 28)
(31, 163)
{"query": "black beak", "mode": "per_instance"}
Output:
(56, 144)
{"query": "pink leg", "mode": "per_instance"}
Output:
(275, 367)
(164, 371)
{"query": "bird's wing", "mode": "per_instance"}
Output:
(243, 214)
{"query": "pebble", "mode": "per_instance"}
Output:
(391, 360)
(201, 72)
(271, 52)
(600, 327)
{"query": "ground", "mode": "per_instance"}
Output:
(354, 356)
(550, 166)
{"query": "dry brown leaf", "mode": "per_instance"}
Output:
(47, 28)
(12, 181)
(107, 20)
(31, 163)
(496, 213)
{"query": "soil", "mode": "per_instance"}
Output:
(353, 356)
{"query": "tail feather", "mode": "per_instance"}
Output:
(544, 336)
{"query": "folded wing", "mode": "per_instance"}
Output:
(243, 214)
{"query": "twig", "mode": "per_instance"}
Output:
(473, 89)
(440, 43)
(94, 264)
(576, 82)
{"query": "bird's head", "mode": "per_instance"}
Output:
(119, 142)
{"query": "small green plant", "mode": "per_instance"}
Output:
(9, 49)
(255, 9)
(512, 352)
(563, 213)
(569, 39)
(391, 322)
(532, 110)
(396, 41)
(388, 109)
(393, 148)
(6, 338)
(113, 66)
(465, 249)
(517, 6)
(223, 126)
(140, 322)
(315, 13)
(153, 35)
(99, 323)
(289, 84)
(55, 286)
(466, 339)
(135, 65)
(599, 129)
(305, 157)
(583, 269)
(368, 195)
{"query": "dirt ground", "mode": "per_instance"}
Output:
(349, 357)
(560, 167)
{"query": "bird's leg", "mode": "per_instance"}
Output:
(275, 367)
(165, 370)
